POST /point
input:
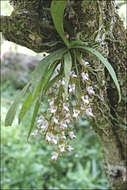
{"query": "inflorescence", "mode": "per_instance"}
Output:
(56, 124)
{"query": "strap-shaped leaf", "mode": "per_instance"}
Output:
(106, 63)
(12, 111)
(57, 12)
(52, 43)
(36, 108)
(54, 80)
(44, 64)
(48, 74)
(76, 42)
(25, 106)
(77, 58)
(67, 70)
(28, 102)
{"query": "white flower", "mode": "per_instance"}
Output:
(89, 112)
(71, 134)
(63, 82)
(63, 135)
(34, 133)
(65, 97)
(48, 137)
(76, 113)
(73, 74)
(90, 90)
(67, 114)
(84, 62)
(54, 139)
(54, 156)
(44, 126)
(51, 138)
(66, 106)
(62, 147)
(69, 148)
(55, 119)
(84, 76)
(51, 103)
(85, 99)
(53, 109)
(82, 107)
(63, 125)
(40, 120)
(72, 88)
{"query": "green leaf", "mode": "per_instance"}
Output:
(67, 70)
(25, 106)
(51, 82)
(37, 89)
(12, 111)
(75, 42)
(51, 44)
(36, 108)
(57, 12)
(77, 58)
(44, 64)
(29, 101)
(48, 74)
(106, 63)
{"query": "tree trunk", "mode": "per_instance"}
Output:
(97, 23)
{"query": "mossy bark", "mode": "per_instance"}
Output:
(97, 23)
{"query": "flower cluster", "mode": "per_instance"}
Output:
(56, 124)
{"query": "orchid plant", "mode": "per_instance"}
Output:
(57, 81)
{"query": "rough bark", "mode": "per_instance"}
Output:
(97, 23)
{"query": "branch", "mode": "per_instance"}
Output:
(28, 32)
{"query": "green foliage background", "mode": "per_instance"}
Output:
(28, 165)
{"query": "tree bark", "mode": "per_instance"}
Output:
(97, 23)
